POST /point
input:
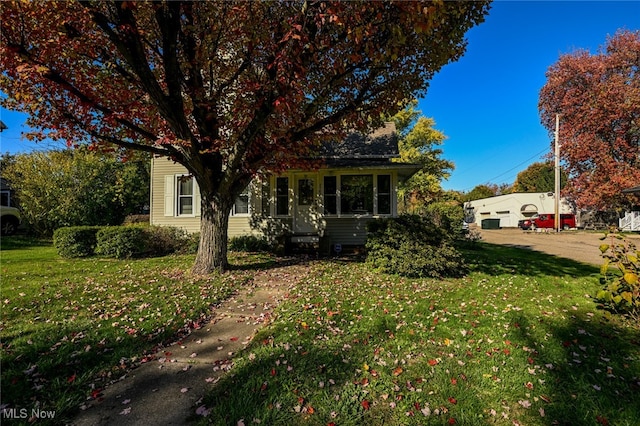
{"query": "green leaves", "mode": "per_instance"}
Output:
(621, 287)
(76, 188)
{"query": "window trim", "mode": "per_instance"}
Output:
(177, 179)
(246, 192)
(277, 197)
(389, 195)
(338, 175)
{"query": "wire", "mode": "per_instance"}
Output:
(513, 168)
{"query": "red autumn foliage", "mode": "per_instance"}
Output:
(598, 99)
(229, 90)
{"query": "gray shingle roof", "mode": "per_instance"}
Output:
(382, 144)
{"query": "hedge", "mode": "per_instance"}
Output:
(75, 241)
(123, 241)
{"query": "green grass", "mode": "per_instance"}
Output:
(68, 327)
(518, 341)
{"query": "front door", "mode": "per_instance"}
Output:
(305, 212)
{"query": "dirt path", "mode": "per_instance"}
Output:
(577, 245)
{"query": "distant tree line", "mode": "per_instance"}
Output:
(76, 187)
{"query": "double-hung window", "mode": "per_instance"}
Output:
(241, 206)
(384, 194)
(330, 195)
(185, 196)
(282, 196)
(266, 198)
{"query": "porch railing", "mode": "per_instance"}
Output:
(630, 222)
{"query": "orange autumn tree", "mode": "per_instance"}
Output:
(598, 99)
(227, 89)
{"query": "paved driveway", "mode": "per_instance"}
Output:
(577, 245)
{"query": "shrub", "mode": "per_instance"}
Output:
(75, 241)
(412, 246)
(448, 216)
(621, 288)
(249, 243)
(163, 240)
(192, 243)
(136, 219)
(121, 241)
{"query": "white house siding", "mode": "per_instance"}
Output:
(510, 208)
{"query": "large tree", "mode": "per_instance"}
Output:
(539, 177)
(481, 191)
(598, 99)
(418, 144)
(227, 89)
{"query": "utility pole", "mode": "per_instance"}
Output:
(557, 174)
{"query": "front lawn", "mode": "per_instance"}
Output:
(69, 326)
(516, 342)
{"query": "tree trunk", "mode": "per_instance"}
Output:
(214, 225)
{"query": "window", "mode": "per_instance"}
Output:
(384, 194)
(330, 195)
(185, 196)
(5, 198)
(266, 198)
(356, 194)
(241, 206)
(282, 196)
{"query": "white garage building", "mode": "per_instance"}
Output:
(510, 208)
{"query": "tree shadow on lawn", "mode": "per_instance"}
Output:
(581, 372)
(592, 368)
(21, 242)
(320, 384)
(60, 366)
(267, 262)
(493, 259)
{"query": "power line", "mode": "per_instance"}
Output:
(518, 165)
(513, 168)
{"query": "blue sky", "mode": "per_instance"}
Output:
(486, 103)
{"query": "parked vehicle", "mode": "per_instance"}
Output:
(9, 220)
(547, 220)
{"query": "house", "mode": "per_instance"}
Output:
(356, 183)
(631, 220)
(6, 193)
(510, 208)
